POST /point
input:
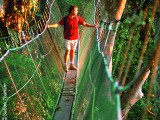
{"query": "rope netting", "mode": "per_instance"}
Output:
(32, 74)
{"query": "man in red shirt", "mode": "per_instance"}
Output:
(71, 34)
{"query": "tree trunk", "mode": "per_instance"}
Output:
(134, 94)
(120, 9)
(111, 38)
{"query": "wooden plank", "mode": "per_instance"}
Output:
(64, 108)
(70, 77)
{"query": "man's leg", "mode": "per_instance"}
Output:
(72, 67)
(72, 56)
(66, 57)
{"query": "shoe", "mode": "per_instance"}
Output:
(65, 68)
(72, 67)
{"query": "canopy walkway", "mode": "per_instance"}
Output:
(36, 84)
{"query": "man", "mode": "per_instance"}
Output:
(71, 34)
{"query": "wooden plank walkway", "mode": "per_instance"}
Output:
(64, 108)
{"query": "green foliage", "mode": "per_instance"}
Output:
(37, 80)
(65, 4)
(134, 23)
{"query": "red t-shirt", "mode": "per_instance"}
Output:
(71, 31)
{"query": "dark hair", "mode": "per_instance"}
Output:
(71, 8)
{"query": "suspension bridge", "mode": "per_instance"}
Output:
(36, 84)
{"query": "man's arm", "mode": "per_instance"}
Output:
(53, 25)
(90, 25)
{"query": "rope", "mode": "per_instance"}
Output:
(37, 72)
(13, 82)
(19, 97)
(17, 91)
(109, 28)
(32, 39)
(27, 81)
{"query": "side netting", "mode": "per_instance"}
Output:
(95, 96)
(31, 77)
(95, 99)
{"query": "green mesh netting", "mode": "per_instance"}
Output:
(94, 89)
(94, 96)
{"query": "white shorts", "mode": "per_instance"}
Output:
(71, 44)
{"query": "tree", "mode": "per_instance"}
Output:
(141, 19)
